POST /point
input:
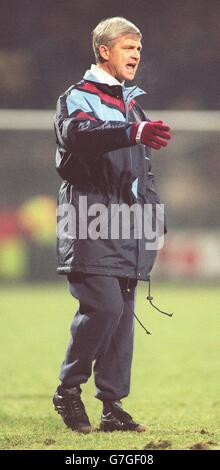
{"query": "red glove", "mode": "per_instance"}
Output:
(152, 133)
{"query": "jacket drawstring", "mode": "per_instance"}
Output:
(149, 298)
(145, 329)
(126, 291)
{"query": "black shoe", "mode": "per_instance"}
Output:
(70, 406)
(114, 418)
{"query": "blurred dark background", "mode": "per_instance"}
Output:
(45, 46)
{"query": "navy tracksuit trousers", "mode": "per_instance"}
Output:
(102, 334)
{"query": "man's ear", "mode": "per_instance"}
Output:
(104, 52)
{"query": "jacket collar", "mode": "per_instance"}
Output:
(102, 77)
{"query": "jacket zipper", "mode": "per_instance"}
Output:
(138, 274)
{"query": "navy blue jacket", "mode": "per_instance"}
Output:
(96, 159)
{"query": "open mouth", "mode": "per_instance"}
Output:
(130, 67)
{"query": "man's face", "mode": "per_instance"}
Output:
(122, 59)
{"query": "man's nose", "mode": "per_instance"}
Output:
(136, 55)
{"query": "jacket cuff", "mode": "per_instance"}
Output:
(133, 132)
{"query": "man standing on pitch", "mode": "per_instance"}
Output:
(103, 156)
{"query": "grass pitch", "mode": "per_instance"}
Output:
(175, 375)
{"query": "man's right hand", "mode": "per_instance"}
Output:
(154, 133)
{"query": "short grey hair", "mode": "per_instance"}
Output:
(110, 29)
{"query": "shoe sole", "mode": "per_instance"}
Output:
(105, 428)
